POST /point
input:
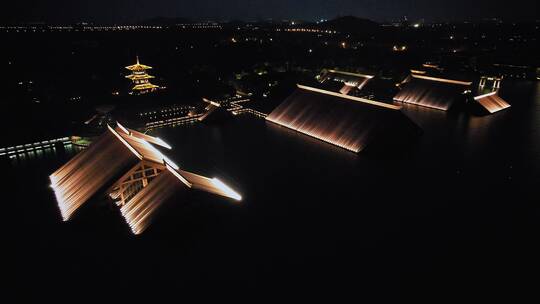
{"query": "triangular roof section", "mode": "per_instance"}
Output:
(127, 162)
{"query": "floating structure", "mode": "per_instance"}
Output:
(141, 79)
(136, 174)
(343, 82)
(432, 92)
(491, 102)
(214, 111)
(345, 121)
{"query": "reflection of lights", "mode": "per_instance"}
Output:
(226, 189)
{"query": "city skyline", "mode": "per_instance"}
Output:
(101, 11)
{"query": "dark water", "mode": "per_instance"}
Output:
(454, 216)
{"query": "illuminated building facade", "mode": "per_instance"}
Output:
(141, 79)
(137, 176)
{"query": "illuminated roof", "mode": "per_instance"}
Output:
(145, 86)
(89, 171)
(139, 76)
(117, 154)
(343, 82)
(138, 66)
(345, 121)
(432, 92)
(139, 211)
(492, 102)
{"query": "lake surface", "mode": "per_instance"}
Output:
(454, 214)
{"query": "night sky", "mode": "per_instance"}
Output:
(134, 10)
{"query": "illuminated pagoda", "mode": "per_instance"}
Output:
(141, 79)
(349, 122)
(432, 92)
(136, 174)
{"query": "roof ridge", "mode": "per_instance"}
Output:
(363, 100)
(442, 79)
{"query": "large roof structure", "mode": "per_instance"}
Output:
(343, 82)
(492, 102)
(139, 177)
(432, 92)
(345, 121)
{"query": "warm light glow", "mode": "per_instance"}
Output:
(107, 158)
(226, 189)
(344, 121)
(492, 102)
(125, 142)
(163, 143)
(354, 98)
(466, 83)
(179, 176)
(123, 129)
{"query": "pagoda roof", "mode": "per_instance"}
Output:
(139, 76)
(145, 86)
(138, 66)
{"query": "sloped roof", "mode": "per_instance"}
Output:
(108, 158)
(345, 121)
(492, 102)
(140, 210)
(89, 171)
(343, 82)
(437, 93)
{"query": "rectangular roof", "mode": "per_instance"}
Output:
(432, 92)
(345, 121)
(492, 102)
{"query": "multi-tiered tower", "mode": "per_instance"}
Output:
(141, 79)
